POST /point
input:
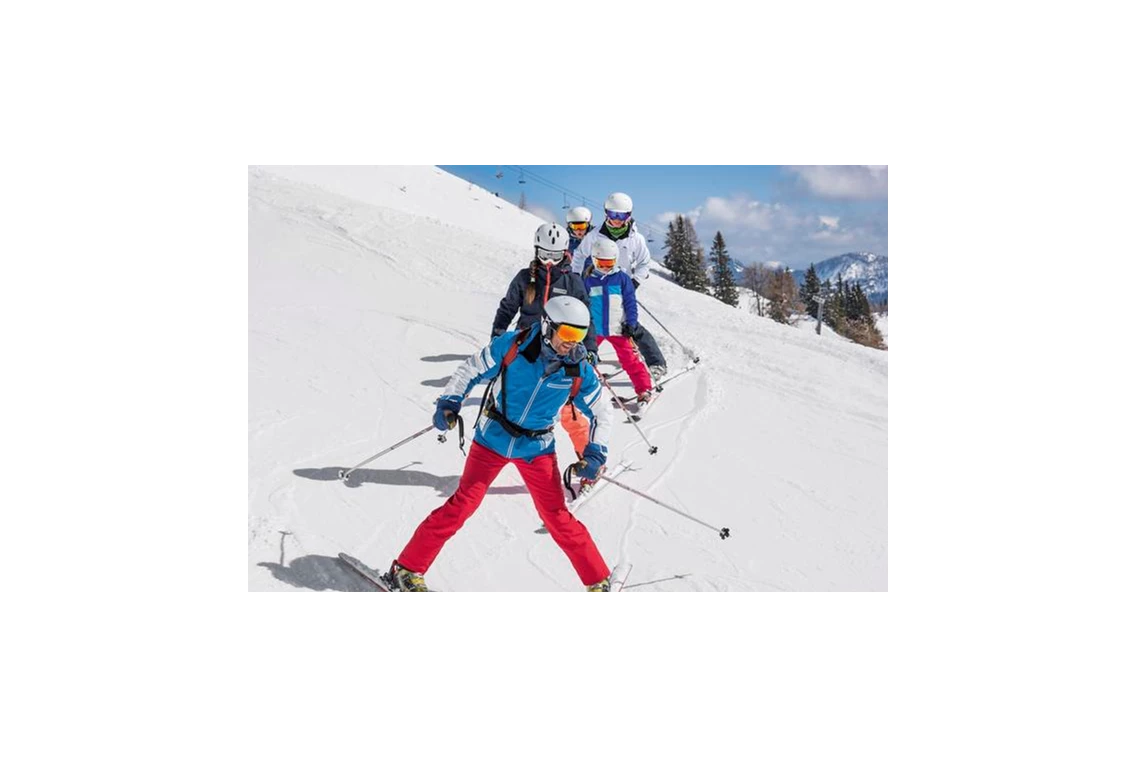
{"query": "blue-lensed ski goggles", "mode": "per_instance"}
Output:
(617, 215)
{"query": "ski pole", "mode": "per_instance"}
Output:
(723, 533)
(651, 449)
(346, 474)
(694, 358)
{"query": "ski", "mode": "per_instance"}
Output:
(637, 409)
(641, 412)
(689, 367)
(581, 500)
(380, 580)
(619, 577)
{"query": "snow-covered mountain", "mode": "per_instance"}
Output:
(735, 270)
(868, 269)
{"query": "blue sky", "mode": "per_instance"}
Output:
(792, 215)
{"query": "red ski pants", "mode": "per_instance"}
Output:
(630, 359)
(544, 483)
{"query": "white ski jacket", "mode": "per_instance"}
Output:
(633, 257)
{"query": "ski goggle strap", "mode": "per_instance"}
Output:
(570, 333)
(617, 215)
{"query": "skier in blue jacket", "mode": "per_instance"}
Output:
(533, 373)
(612, 302)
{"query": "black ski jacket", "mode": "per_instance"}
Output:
(549, 282)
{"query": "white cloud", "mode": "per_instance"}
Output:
(844, 182)
(832, 237)
(740, 210)
(667, 217)
(830, 222)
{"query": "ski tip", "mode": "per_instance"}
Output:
(619, 576)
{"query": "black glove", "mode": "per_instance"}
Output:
(628, 330)
(635, 284)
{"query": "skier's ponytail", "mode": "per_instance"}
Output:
(531, 290)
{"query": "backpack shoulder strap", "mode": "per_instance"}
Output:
(574, 370)
(512, 352)
(505, 361)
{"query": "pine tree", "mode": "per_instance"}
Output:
(722, 276)
(696, 261)
(860, 326)
(810, 287)
(835, 305)
(687, 260)
(828, 295)
(685, 256)
(671, 259)
(859, 308)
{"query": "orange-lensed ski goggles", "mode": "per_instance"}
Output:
(604, 264)
(570, 333)
(578, 226)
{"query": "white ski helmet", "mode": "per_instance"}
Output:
(605, 250)
(618, 202)
(551, 241)
(578, 214)
(566, 309)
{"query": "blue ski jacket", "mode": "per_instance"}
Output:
(537, 385)
(612, 301)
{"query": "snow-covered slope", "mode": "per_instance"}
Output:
(368, 286)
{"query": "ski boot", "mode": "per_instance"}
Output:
(658, 371)
(604, 585)
(586, 486)
(404, 580)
